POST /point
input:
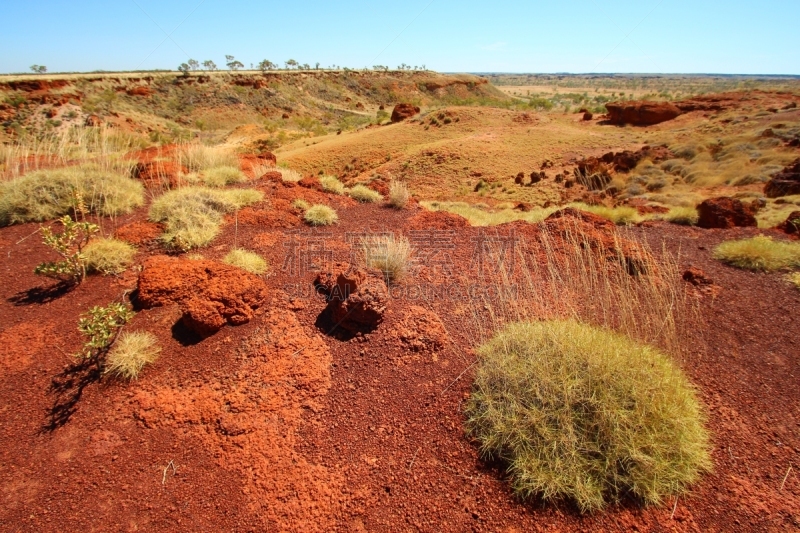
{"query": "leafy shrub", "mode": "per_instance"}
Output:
(108, 256)
(399, 194)
(48, 194)
(364, 194)
(100, 324)
(583, 413)
(389, 254)
(131, 353)
(193, 215)
(246, 260)
(331, 184)
(221, 176)
(759, 253)
(69, 244)
(321, 215)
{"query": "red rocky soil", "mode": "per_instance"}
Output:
(275, 425)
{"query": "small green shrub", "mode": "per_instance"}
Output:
(331, 184)
(362, 193)
(399, 194)
(69, 244)
(389, 254)
(193, 215)
(100, 325)
(131, 353)
(49, 194)
(222, 176)
(759, 253)
(246, 260)
(321, 215)
(108, 256)
(587, 414)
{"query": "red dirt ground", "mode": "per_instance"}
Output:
(274, 425)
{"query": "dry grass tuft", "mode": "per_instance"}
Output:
(221, 176)
(364, 194)
(759, 253)
(321, 215)
(389, 254)
(621, 216)
(300, 204)
(246, 260)
(198, 157)
(478, 215)
(193, 215)
(48, 194)
(685, 216)
(332, 184)
(399, 194)
(288, 174)
(131, 353)
(108, 256)
(794, 279)
(583, 413)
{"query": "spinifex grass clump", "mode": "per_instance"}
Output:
(48, 194)
(321, 215)
(332, 184)
(193, 215)
(246, 260)
(131, 353)
(389, 254)
(399, 194)
(108, 256)
(362, 193)
(759, 253)
(583, 413)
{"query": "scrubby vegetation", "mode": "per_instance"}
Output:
(483, 215)
(332, 184)
(99, 325)
(221, 176)
(193, 215)
(130, 353)
(388, 253)
(759, 253)
(198, 157)
(621, 215)
(794, 279)
(300, 204)
(246, 260)
(69, 244)
(287, 174)
(399, 194)
(48, 194)
(321, 215)
(582, 413)
(685, 216)
(364, 194)
(108, 256)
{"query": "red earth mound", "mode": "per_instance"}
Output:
(158, 174)
(357, 297)
(139, 232)
(404, 111)
(725, 212)
(210, 294)
(641, 113)
(792, 223)
(421, 330)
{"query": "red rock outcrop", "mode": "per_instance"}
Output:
(157, 174)
(792, 224)
(641, 113)
(210, 294)
(723, 213)
(357, 297)
(404, 111)
(785, 182)
(141, 90)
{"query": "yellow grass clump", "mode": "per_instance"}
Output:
(332, 184)
(388, 253)
(583, 413)
(198, 157)
(131, 353)
(108, 256)
(759, 253)
(364, 194)
(246, 260)
(321, 215)
(399, 194)
(48, 194)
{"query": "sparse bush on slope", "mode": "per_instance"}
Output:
(389, 254)
(331, 184)
(759, 253)
(583, 413)
(130, 353)
(193, 215)
(398, 194)
(48, 194)
(221, 176)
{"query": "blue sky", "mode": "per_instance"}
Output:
(669, 36)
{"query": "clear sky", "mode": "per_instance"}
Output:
(668, 36)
